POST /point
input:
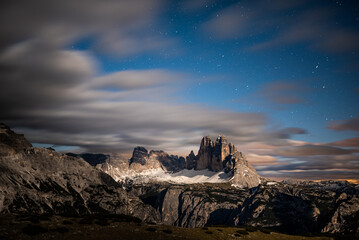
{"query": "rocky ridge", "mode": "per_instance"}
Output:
(38, 180)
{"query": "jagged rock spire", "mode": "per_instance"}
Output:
(212, 154)
(221, 155)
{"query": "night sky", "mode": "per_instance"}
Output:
(279, 78)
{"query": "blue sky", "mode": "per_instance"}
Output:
(275, 76)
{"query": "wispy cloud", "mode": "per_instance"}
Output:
(310, 24)
(349, 124)
(310, 150)
(60, 24)
(278, 94)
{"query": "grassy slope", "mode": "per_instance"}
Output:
(116, 227)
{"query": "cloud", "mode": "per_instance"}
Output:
(126, 44)
(316, 167)
(277, 94)
(57, 96)
(350, 124)
(310, 150)
(282, 92)
(75, 106)
(138, 79)
(350, 142)
(261, 160)
(63, 23)
(225, 24)
(195, 5)
(247, 18)
(312, 24)
(36, 77)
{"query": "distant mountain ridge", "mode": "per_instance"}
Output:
(218, 156)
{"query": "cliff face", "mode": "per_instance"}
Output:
(284, 207)
(205, 154)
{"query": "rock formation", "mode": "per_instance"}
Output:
(171, 163)
(143, 160)
(11, 142)
(221, 150)
(221, 155)
(211, 155)
(205, 153)
(139, 155)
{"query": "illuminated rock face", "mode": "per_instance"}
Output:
(222, 149)
(205, 153)
(211, 155)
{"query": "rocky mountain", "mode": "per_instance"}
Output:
(37, 180)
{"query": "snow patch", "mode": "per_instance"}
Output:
(184, 176)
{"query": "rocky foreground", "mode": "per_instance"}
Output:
(38, 181)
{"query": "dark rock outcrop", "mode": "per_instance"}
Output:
(191, 161)
(92, 158)
(143, 160)
(11, 141)
(139, 155)
(171, 163)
